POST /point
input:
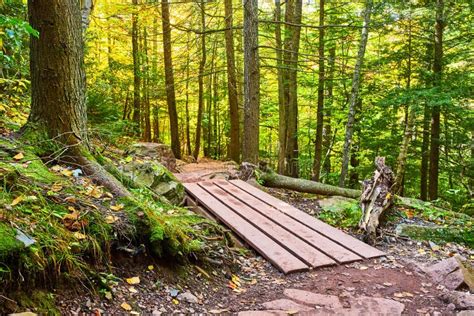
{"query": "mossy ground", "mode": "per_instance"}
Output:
(74, 225)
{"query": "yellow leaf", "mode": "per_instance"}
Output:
(66, 172)
(19, 156)
(151, 267)
(108, 295)
(111, 219)
(175, 301)
(56, 187)
(126, 306)
(17, 200)
(79, 236)
(132, 289)
(117, 207)
(134, 280)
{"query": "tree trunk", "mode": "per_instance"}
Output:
(425, 155)
(292, 112)
(146, 89)
(169, 79)
(188, 134)
(281, 90)
(355, 93)
(251, 83)
(274, 180)
(234, 147)
(202, 64)
(155, 107)
(318, 144)
(410, 118)
(136, 69)
(435, 113)
(327, 132)
(58, 84)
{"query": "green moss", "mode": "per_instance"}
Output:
(438, 234)
(40, 302)
(9, 245)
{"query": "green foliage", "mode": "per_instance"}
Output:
(342, 214)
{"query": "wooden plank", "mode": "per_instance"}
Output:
(343, 239)
(286, 239)
(325, 245)
(268, 248)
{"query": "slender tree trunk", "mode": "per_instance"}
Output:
(146, 88)
(318, 145)
(251, 83)
(425, 154)
(155, 108)
(234, 147)
(202, 64)
(410, 118)
(355, 93)
(292, 113)
(136, 68)
(327, 133)
(435, 113)
(188, 134)
(169, 79)
(281, 92)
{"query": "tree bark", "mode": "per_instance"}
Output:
(58, 85)
(318, 144)
(281, 90)
(169, 79)
(234, 146)
(251, 83)
(435, 113)
(327, 132)
(274, 180)
(188, 133)
(292, 167)
(136, 69)
(202, 64)
(355, 93)
(425, 155)
(146, 89)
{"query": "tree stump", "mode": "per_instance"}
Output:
(376, 197)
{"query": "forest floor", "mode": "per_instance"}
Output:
(147, 286)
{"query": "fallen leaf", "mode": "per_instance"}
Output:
(79, 236)
(134, 280)
(66, 172)
(73, 216)
(17, 200)
(111, 219)
(132, 289)
(175, 301)
(108, 295)
(56, 187)
(150, 267)
(126, 306)
(117, 207)
(19, 156)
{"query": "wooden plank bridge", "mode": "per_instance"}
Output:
(289, 238)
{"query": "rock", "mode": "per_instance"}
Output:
(157, 152)
(434, 233)
(466, 313)
(451, 307)
(23, 314)
(188, 297)
(375, 306)
(174, 292)
(263, 313)
(461, 300)
(336, 203)
(286, 305)
(446, 272)
(309, 298)
(156, 177)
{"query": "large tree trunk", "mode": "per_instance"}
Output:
(58, 84)
(435, 113)
(274, 180)
(318, 144)
(202, 64)
(355, 93)
(292, 167)
(169, 79)
(136, 68)
(234, 146)
(251, 83)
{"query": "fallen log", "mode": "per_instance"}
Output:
(269, 178)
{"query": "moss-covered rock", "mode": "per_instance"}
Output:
(437, 234)
(156, 177)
